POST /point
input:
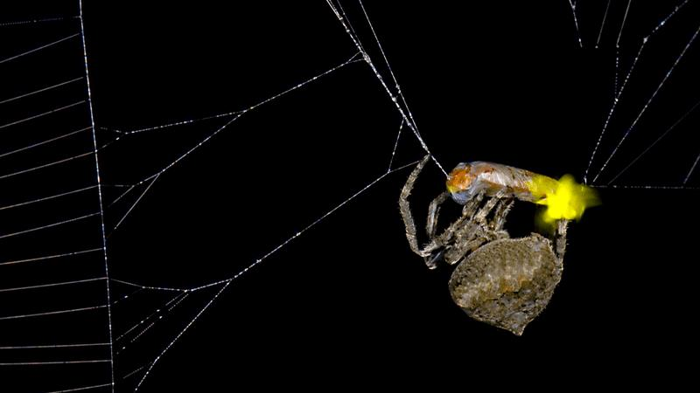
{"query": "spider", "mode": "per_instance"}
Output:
(501, 281)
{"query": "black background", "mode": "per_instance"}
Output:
(347, 303)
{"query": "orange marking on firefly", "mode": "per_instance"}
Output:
(459, 180)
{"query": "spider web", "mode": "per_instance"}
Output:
(112, 333)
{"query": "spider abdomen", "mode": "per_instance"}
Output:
(508, 282)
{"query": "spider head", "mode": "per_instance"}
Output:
(459, 183)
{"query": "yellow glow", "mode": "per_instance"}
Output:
(565, 199)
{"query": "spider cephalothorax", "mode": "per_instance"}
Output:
(501, 281)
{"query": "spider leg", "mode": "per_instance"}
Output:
(432, 260)
(460, 229)
(499, 217)
(405, 209)
(472, 205)
(469, 238)
(481, 215)
(477, 229)
(560, 238)
(434, 212)
(458, 226)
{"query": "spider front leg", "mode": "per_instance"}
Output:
(434, 212)
(431, 227)
(405, 209)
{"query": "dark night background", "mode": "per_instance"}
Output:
(347, 303)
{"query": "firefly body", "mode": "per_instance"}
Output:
(564, 198)
(469, 179)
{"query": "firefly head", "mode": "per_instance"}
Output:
(459, 183)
